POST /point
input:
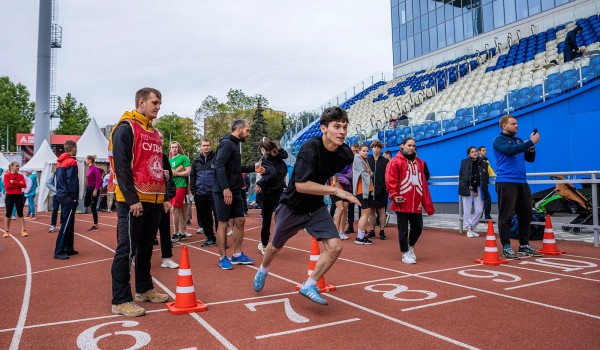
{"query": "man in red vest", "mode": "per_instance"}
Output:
(135, 152)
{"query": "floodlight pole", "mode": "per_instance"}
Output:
(42, 92)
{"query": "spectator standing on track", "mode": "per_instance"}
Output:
(514, 195)
(109, 195)
(271, 185)
(201, 182)
(67, 191)
(571, 50)
(227, 193)
(14, 183)
(387, 155)
(92, 189)
(362, 184)
(30, 192)
(407, 185)
(302, 203)
(487, 199)
(472, 178)
(164, 227)
(51, 184)
(380, 196)
(351, 208)
(341, 208)
(139, 186)
(181, 166)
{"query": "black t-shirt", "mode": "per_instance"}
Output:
(314, 163)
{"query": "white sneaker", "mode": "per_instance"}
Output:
(200, 230)
(343, 236)
(51, 229)
(187, 234)
(408, 259)
(411, 252)
(169, 264)
(471, 234)
(230, 232)
(261, 248)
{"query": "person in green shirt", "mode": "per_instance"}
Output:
(181, 166)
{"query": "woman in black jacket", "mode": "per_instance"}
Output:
(271, 185)
(471, 178)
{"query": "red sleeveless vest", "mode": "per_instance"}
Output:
(147, 166)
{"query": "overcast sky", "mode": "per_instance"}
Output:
(298, 54)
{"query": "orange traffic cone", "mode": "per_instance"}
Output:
(549, 247)
(185, 296)
(490, 253)
(315, 253)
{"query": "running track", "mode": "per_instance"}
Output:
(444, 301)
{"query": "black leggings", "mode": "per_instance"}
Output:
(12, 201)
(269, 203)
(92, 202)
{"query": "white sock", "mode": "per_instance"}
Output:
(237, 255)
(263, 269)
(310, 282)
(360, 234)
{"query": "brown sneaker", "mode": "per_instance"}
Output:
(152, 296)
(129, 309)
(24, 233)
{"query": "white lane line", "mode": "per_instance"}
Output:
(532, 284)
(406, 324)
(550, 273)
(590, 272)
(512, 297)
(438, 303)
(307, 328)
(16, 339)
(57, 268)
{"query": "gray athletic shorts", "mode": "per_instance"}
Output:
(318, 224)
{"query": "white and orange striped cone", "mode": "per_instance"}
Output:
(315, 253)
(549, 247)
(185, 295)
(490, 253)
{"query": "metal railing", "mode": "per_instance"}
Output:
(575, 178)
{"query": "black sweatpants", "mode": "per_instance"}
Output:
(205, 213)
(65, 239)
(270, 201)
(135, 238)
(514, 198)
(416, 228)
(164, 232)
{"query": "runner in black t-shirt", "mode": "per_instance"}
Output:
(302, 204)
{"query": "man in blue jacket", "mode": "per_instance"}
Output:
(201, 185)
(514, 195)
(571, 50)
(67, 192)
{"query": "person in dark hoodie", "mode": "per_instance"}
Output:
(571, 50)
(227, 192)
(201, 182)
(271, 185)
(138, 181)
(67, 191)
(472, 179)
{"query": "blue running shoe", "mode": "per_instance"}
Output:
(259, 281)
(312, 293)
(242, 260)
(225, 263)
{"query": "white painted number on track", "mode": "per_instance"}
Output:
(400, 289)
(477, 273)
(567, 265)
(289, 312)
(87, 341)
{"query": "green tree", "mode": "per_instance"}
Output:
(182, 130)
(74, 118)
(16, 112)
(250, 150)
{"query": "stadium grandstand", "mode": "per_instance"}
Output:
(447, 104)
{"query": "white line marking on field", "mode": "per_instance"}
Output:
(590, 272)
(438, 303)
(532, 284)
(16, 339)
(550, 273)
(307, 328)
(406, 324)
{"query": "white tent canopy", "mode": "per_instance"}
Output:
(4, 162)
(93, 142)
(43, 155)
